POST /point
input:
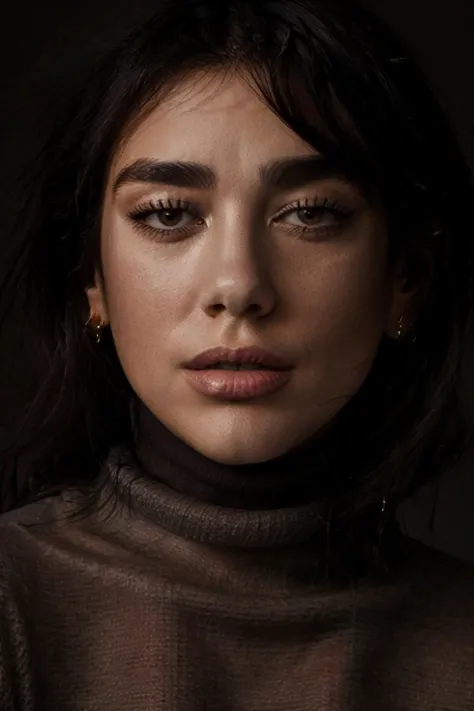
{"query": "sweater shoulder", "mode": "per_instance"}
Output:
(17, 558)
(18, 530)
(36, 512)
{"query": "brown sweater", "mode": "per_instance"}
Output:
(161, 601)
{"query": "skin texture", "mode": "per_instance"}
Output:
(240, 275)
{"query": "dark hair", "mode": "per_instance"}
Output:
(339, 79)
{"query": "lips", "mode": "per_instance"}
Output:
(254, 356)
(237, 385)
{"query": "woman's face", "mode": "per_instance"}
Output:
(238, 260)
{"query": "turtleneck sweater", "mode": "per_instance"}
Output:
(178, 584)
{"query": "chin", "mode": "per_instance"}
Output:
(238, 437)
(233, 453)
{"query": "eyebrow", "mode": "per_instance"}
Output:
(281, 174)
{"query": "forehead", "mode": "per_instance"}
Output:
(213, 119)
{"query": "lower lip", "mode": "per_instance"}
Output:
(237, 384)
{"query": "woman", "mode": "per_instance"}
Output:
(248, 260)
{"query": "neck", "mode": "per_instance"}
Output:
(289, 480)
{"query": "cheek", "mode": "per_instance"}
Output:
(342, 300)
(339, 326)
(142, 300)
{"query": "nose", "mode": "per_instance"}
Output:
(238, 279)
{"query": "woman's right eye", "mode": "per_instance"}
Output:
(168, 218)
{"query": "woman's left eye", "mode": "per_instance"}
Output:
(310, 217)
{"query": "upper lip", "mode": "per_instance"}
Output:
(252, 355)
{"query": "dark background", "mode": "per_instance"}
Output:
(43, 45)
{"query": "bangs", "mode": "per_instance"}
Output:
(309, 106)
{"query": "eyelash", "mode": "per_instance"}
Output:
(142, 212)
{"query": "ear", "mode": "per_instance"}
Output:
(411, 280)
(97, 303)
